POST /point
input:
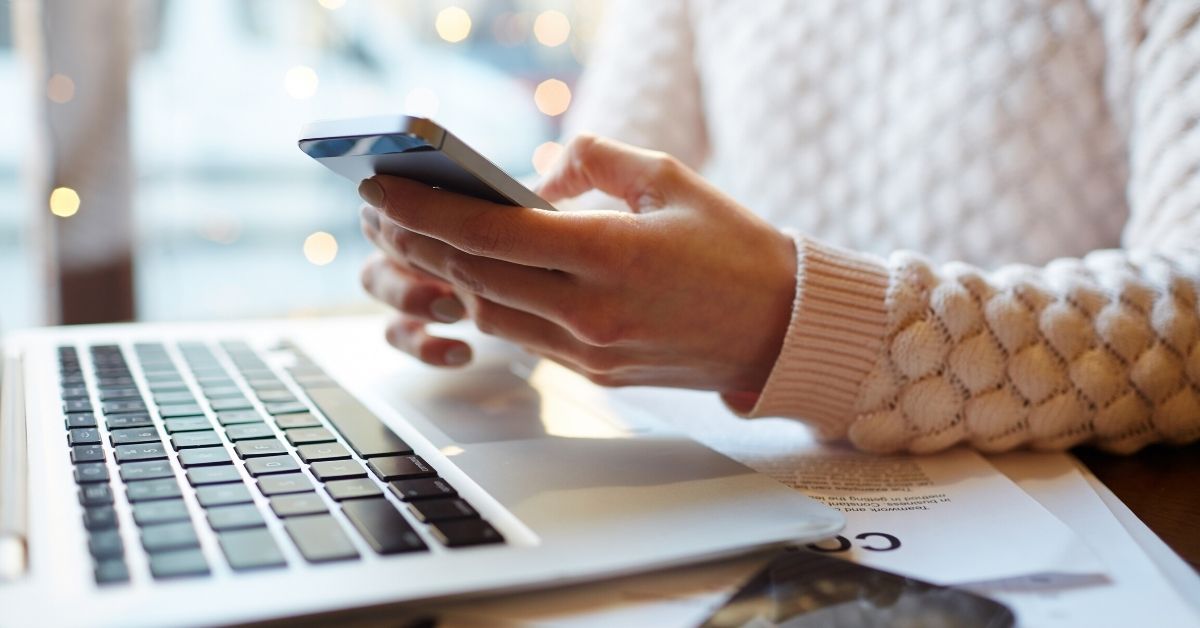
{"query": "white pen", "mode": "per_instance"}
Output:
(13, 487)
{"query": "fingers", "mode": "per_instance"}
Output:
(644, 179)
(530, 237)
(411, 294)
(408, 335)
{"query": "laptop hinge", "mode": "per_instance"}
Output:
(13, 482)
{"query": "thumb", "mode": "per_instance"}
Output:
(643, 178)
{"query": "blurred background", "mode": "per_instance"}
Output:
(148, 160)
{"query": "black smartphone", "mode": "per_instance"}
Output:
(802, 589)
(414, 148)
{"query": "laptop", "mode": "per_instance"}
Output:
(180, 474)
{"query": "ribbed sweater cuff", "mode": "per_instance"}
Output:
(838, 323)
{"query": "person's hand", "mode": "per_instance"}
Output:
(686, 289)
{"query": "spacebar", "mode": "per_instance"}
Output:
(367, 435)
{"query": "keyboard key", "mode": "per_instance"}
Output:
(383, 527)
(99, 518)
(188, 562)
(120, 407)
(168, 385)
(74, 392)
(87, 453)
(275, 395)
(91, 472)
(180, 410)
(284, 483)
(222, 494)
(136, 419)
(432, 510)
(81, 419)
(204, 455)
(133, 435)
(265, 383)
(192, 440)
(322, 451)
(250, 549)
(231, 403)
(222, 392)
(234, 517)
(174, 397)
(120, 394)
(237, 417)
(148, 470)
(352, 489)
(259, 448)
(143, 451)
(95, 495)
(424, 488)
(464, 532)
(77, 405)
(249, 431)
(286, 407)
(83, 436)
(271, 464)
(302, 419)
(162, 511)
(163, 377)
(115, 379)
(147, 490)
(367, 435)
(337, 470)
(169, 536)
(400, 468)
(111, 571)
(188, 424)
(297, 504)
(308, 435)
(319, 538)
(106, 544)
(222, 474)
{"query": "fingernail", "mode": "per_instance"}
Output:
(371, 192)
(457, 355)
(371, 217)
(447, 309)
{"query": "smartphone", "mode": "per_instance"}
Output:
(800, 588)
(414, 148)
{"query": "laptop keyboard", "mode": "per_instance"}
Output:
(196, 430)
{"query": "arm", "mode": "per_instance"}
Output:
(900, 354)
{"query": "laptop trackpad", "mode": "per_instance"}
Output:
(506, 400)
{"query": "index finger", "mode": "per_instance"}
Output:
(568, 241)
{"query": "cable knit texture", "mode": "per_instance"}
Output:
(1043, 156)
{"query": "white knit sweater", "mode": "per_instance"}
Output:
(1041, 157)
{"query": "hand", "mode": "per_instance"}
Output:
(686, 289)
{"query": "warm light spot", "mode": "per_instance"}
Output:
(320, 248)
(552, 97)
(64, 202)
(300, 82)
(545, 155)
(551, 28)
(453, 24)
(60, 89)
(332, 5)
(421, 101)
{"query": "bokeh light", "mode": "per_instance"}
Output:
(552, 97)
(320, 248)
(453, 24)
(60, 89)
(301, 82)
(551, 28)
(421, 101)
(64, 202)
(545, 155)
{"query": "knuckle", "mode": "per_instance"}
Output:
(460, 268)
(597, 328)
(482, 234)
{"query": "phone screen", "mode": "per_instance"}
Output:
(799, 589)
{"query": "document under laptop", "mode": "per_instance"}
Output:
(222, 473)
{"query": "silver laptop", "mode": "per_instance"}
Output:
(208, 474)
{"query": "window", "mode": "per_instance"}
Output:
(20, 304)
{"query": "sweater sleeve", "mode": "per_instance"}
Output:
(641, 86)
(900, 354)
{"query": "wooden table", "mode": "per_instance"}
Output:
(1161, 485)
